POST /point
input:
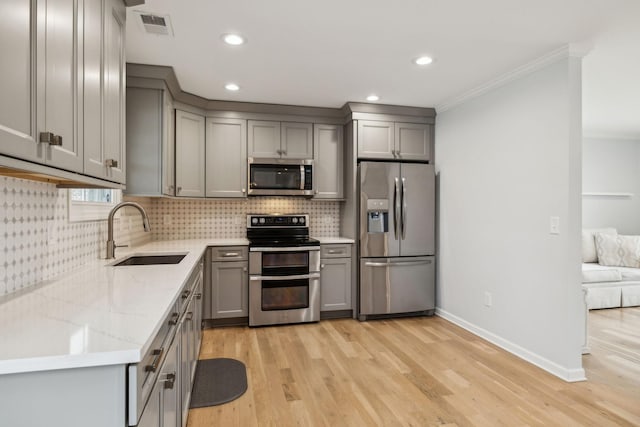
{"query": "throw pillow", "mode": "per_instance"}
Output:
(589, 253)
(618, 251)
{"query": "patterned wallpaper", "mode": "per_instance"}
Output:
(174, 219)
(37, 241)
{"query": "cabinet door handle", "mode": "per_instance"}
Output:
(230, 254)
(179, 189)
(185, 294)
(188, 316)
(244, 190)
(174, 319)
(57, 140)
(244, 268)
(169, 381)
(111, 163)
(321, 265)
(198, 296)
(50, 138)
(156, 361)
(334, 251)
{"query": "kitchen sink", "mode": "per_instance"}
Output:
(151, 259)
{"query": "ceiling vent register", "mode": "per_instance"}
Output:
(156, 24)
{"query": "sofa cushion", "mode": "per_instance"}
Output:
(623, 251)
(596, 273)
(629, 274)
(589, 253)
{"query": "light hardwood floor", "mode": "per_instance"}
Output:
(404, 372)
(614, 338)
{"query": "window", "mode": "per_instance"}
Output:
(92, 204)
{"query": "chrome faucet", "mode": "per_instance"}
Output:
(111, 245)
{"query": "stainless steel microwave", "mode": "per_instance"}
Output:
(280, 177)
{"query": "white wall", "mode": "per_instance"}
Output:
(508, 160)
(611, 165)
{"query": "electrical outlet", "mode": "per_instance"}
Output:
(167, 220)
(238, 220)
(554, 225)
(488, 300)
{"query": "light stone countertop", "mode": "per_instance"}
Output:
(330, 240)
(97, 314)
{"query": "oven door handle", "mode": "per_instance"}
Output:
(293, 277)
(287, 249)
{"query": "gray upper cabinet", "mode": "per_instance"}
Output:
(394, 140)
(376, 140)
(413, 141)
(226, 164)
(104, 108)
(296, 140)
(150, 147)
(18, 127)
(63, 84)
(40, 82)
(267, 139)
(190, 160)
(60, 57)
(328, 161)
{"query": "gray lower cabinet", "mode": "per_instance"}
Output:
(168, 404)
(328, 162)
(229, 288)
(335, 277)
(164, 406)
(150, 142)
(190, 159)
(382, 140)
(226, 151)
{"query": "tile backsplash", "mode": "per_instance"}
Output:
(37, 241)
(175, 219)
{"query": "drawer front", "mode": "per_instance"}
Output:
(342, 250)
(229, 253)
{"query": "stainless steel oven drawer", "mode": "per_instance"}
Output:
(229, 253)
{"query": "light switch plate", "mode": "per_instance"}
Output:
(554, 225)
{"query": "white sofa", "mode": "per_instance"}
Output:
(607, 286)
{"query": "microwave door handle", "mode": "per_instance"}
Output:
(302, 177)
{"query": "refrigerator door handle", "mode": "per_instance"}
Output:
(404, 206)
(396, 206)
(398, 263)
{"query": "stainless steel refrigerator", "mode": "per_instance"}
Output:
(397, 238)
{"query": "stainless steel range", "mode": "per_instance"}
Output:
(284, 270)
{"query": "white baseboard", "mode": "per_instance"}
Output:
(569, 375)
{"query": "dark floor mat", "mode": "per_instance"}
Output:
(218, 381)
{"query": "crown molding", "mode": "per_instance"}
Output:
(573, 50)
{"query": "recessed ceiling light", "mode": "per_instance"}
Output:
(232, 87)
(423, 60)
(373, 98)
(233, 39)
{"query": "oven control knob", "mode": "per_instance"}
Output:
(261, 220)
(294, 220)
(301, 220)
(254, 220)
